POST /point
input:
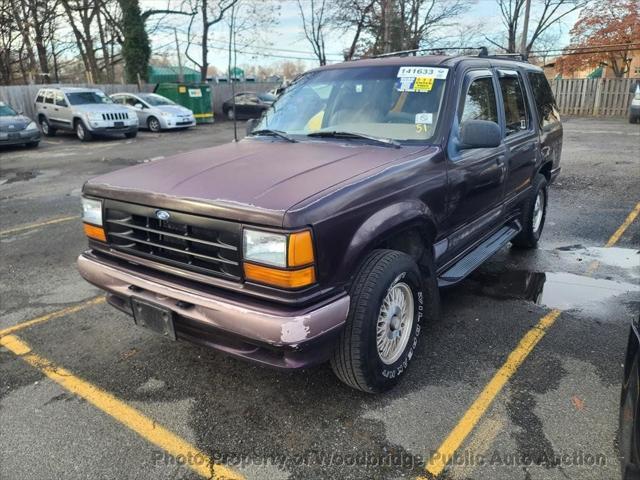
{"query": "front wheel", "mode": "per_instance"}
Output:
(534, 213)
(382, 329)
(82, 133)
(46, 128)
(154, 124)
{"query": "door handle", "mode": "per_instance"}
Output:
(503, 167)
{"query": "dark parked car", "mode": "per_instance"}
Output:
(16, 129)
(629, 434)
(326, 234)
(248, 105)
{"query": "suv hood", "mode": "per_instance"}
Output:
(100, 107)
(255, 180)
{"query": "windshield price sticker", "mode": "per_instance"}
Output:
(424, 118)
(413, 72)
(415, 84)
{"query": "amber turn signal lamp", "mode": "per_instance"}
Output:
(300, 249)
(94, 232)
(280, 278)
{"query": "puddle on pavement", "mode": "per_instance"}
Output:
(624, 258)
(18, 176)
(552, 289)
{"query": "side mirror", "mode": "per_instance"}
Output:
(138, 106)
(251, 124)
(479, 134)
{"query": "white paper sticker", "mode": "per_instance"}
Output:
(195, 92)
(424, 118)
(359, 88)
(433, 72)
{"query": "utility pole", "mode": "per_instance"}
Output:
(229, 75)
(525, 28)
(181, 72)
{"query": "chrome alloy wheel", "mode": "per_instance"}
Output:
(538, 211)
(395, 322)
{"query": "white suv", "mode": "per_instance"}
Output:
(86, 111)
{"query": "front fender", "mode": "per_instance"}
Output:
(384, 224)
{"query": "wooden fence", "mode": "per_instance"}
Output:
(594, 96)
(21, 97)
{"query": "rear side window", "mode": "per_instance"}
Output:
(480, 101)
(60, 101)
(48, 97)
(515, 110)
(40, 97)
(545, 103)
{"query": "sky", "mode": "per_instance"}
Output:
(285, 39)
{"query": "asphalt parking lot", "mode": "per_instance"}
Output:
(520, 377)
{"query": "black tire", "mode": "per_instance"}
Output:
(356, 359)
(153, 124)
(131, 134)
(230, 114)
(83, 134)
(530, 235)
(46, 127)
(633, 118)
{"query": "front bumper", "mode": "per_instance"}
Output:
(168, 123)
(25, 137)
(277, 336)
(114, 130)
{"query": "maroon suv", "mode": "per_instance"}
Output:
(326, 233)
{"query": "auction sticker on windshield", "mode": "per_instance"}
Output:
(419, 79)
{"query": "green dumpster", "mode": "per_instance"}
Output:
(195, 96)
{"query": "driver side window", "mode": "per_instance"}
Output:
(479, 102)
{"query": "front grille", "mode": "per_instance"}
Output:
(13, 128)
(115, 116)
(191, 242)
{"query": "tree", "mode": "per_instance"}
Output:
(545, 14)
(602, 35)
(209, 12)
(136, 50)
(315, 22)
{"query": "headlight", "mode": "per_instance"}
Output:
(265, 247)
(291, 256)
(92, 211)
(132, 115)
(92, 116)
(165, 114)
(32, 126)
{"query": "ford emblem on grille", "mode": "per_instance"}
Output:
(163, 214)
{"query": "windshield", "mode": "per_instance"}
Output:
(267, 97)
(7, 111)
(401, 103)
(83, 98)
(156, 100)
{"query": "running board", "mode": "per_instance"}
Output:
(478, 255)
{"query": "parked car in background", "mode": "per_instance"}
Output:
(326, 233)
(88, 112)
(156, 112)
(634, 107)
(629, 432)
(16, 129)
(248, 105)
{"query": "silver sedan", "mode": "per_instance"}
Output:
(156, 112)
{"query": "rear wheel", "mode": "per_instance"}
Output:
(382, 329)
(534, 213)
(154, 124)
(230, 114)
(46, 128)
(82, 133)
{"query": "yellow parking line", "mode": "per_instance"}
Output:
(52, 315)
(120, 411)
(31, 226)
(474, 413)
(445, 452)
(618, 233)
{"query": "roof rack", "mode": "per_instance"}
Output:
(416, 51)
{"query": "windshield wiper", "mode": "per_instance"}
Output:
(274, 133)
(387, 142)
